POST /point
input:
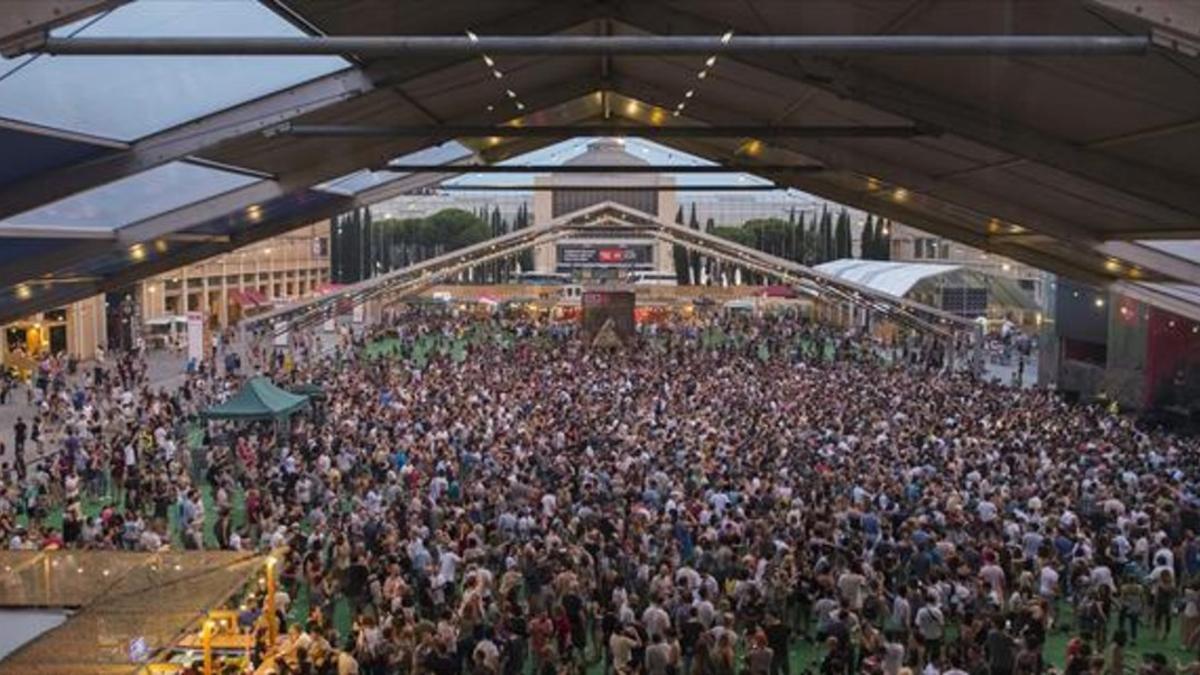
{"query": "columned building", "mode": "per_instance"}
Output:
(602, 255)
(282, 269)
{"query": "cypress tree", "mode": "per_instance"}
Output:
(827, 250)
(694, 260)
(789, 246)
(867, 244)
(522, 222)
(798, 239)
(843, 234)
(679, 254)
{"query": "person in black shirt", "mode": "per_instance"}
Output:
(778, 635)
(689, 636)
(19, 430)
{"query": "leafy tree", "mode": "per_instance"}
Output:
(770, 235)
(739, 235)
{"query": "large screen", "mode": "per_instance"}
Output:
(606, 255)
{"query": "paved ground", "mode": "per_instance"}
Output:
(1005, 373)
(163, 369)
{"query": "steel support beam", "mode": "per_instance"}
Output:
(180, 220)
(612, 45)
(25, 23)
(1152, 259)
(881, 203)
(841, 156)
(606, 168)
(29, 269)
(200, 248)
(622, 188)
(1174, 23)
(953, 117)
(188, 139)
(577, 131)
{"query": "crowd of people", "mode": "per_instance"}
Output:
(681, 506)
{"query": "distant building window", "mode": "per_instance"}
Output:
(568, 201)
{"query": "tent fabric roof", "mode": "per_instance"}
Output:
(900, 278)
(1071, 164)
(120, 596)
(259, 399)
(893, 278)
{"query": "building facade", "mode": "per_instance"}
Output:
(289, 267)
(225, 288)
(601, 255)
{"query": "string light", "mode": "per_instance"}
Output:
(472, 36)
(487, 60)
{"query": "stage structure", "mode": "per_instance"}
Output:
(612, 217)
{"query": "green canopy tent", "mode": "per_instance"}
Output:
(310, 389)
(259, 399)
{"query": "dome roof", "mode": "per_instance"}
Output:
(605, 151)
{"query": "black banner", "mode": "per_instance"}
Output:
(603, 255)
